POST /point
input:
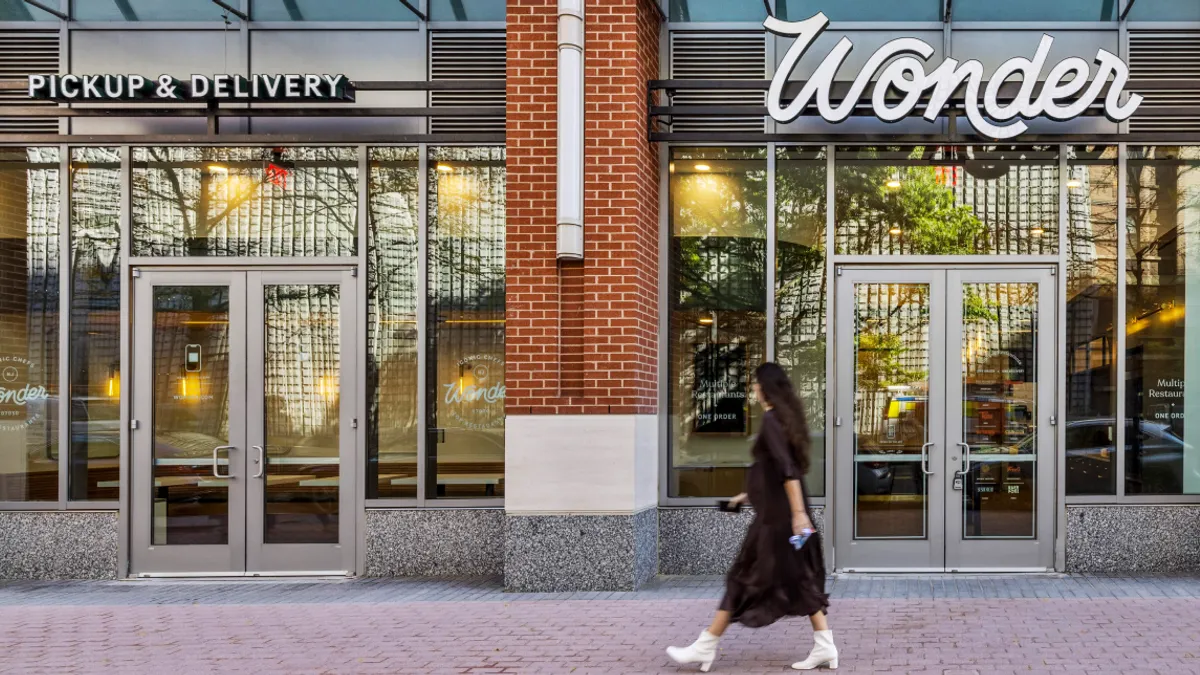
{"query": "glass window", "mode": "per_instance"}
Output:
(947, 200)
(718, 319)
(29, 255)
(245, 201)
(1091, 304)
(147, 10)
(465, 315)
(466, 10)
(392, 238)
(1162, 450)
(1091, 317)
(861, 10)
(19, 10)
(1035, 10)
(324, 10)
(801, 292)
(717, 10)
(1165, 10)
(95, 355)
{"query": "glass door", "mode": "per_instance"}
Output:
(300, 430)
(189, 422)
(890, 418)
(241, 438)
(943, 431)
(999, 510)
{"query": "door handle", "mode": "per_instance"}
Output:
(217, 467)
(262, 461)
(966, 459)
(925, 459)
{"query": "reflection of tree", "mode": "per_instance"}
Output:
(245, 201)
(923, 209)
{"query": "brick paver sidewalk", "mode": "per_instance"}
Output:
(907, 626)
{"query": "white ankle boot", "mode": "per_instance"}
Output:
(702, 651)
(823, 653)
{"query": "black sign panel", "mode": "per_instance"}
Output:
(197, 88)
(719, 388)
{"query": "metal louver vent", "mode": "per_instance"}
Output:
(467, 56)
(1162, 55)
(718, 56)
(22, 54)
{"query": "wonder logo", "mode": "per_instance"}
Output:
(1065, 93)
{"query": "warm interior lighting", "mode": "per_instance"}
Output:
(217, 168)
(895, 231)
(1074, 183)
(114, 387)
(893, 184)
(445, 168)
(703, 167)
(671, 167)
(1037, 231)
(706, 321)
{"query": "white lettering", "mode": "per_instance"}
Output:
(456, 393)
(200, 86)
(114, 86)
(91, 88)
(335, 82)
(137, 84)
(291, 86)
(220, 85)
(36, 84)
(907, 75)
(73, 82)
(271, 83)
(312, 86)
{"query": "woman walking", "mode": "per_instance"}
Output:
(772, 579)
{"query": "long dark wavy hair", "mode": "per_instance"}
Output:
(779, 393)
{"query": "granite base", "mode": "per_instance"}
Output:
(559, 553)
(58, 544)
(434, 542)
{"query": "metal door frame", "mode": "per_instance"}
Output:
(322, 559)
(185, 559)
(862, 555)
(1007, 554)
(235, 559)
(945, 285)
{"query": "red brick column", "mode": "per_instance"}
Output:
(612, 370)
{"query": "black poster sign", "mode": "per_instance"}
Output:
(719, 388)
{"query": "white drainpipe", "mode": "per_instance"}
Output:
(570, 130)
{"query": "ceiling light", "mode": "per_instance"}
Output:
(895, 231)
(706, 321)
(1037, 231)
(1074, 183)
(893, 184)
(703, 167)
(445, 168)
(217, 168)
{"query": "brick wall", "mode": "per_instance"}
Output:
(617, 371)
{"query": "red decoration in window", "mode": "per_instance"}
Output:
(277, 175)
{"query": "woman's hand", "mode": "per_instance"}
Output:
(800, 522)
(741, 499)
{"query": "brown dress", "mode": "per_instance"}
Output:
(770, 579)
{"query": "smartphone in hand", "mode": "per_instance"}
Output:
(729, 506)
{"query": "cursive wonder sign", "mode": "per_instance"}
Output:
(1066, 92)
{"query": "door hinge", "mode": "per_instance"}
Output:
(837, 421)
(1054, 420)
(839, 270)
(354, 423)
(133, 425)
(1053, 271)
(354, 271)
(137, 272)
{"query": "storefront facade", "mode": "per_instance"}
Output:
(492, 309)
